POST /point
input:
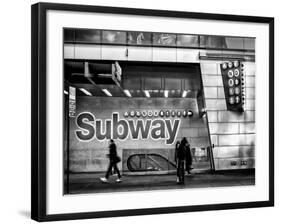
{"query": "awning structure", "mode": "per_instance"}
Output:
(134, 79)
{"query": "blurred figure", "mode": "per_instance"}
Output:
(188, 158)
(113, 160)
(140, 38)
(181, 157)
(176, 159)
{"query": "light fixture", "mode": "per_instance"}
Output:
(203, 112)
(185, 92)
(127, 92)
(189, 113)
(65, 92)
(166, 93)
(146, 92)
(106, 92)
(85, 91)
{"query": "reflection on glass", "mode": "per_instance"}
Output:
(249, 43)
(202, 41)
(91, 36)
(152, 83)
(187, 40)
(68, 35)
(172, 83)
(234, 43)
(139, 38)
(212, 42)
(164, 39)
(113, 37)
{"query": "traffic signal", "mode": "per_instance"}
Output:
(233, 82)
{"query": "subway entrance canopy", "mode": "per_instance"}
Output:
(146, 110)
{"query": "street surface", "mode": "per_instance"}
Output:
(90, 182)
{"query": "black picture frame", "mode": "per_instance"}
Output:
(39, 108)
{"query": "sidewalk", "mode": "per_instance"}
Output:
(90, 182)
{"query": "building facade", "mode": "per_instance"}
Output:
(149, 90)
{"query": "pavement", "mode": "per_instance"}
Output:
(91, 183)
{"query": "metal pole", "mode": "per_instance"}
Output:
(211, 146)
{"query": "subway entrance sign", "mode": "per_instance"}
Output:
(233, 82)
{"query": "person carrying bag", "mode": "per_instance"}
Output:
(113, 160)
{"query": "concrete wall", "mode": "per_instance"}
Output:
(232, 133)
(91, 156)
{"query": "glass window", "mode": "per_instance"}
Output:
(139, 38)
(202, 41)
(164, 39)
(113, 37)
(212, 42)
(151, 83)
(172, 83)
(234, 43)
(68, 35)
(88, 36)
(131, 82)
(187, 40)
(249, 43)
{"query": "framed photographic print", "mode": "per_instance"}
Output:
(138, 111)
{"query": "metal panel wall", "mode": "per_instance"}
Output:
(232, 133)
(109, 52)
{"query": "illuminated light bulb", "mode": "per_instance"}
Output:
(127, 92)
(85, 91)
(106, 92)
(184, 93)
(147, 94)
(166, 93)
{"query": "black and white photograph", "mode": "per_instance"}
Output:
(150, 111)
(140, 112)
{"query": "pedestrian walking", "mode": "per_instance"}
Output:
(113, 160)
(181, 157)
(176, 159)
(188, 158)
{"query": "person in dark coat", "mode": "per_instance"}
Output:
(188, 159)
(113, 160)
(181, 157)
(176, 158)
